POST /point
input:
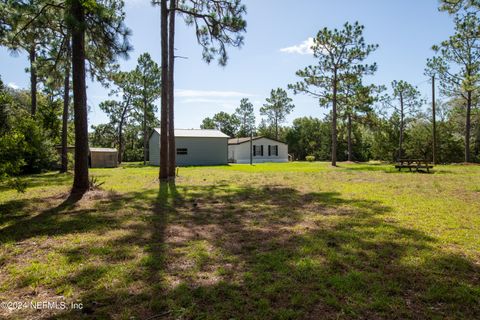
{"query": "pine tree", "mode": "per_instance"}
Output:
(148, 76)
(454, 6)
(457, 65)
(172, 151)
(340, 53)
(406, 102)
(278, 106)
(246, 115)
(226, 123)
(218, 24)
(121, 111)
(164, 116)
(98, 35)
(28, 34)
(356, 99)
(99, 24)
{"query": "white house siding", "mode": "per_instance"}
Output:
(240, 153)
(204, 150)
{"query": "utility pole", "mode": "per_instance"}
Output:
(251, 146)
(400, 145)
(434, 123)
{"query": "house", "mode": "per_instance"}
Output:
(103, 158)
(263, 150)
(195, 147)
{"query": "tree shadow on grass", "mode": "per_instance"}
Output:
(276, 253)
(42, 180)
(64, 218)
(385, 169)
(371, 168)
(222, 251)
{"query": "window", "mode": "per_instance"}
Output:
(272, 150)
(258, 150)
(182, 151)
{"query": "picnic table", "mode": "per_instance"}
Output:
(416, 164)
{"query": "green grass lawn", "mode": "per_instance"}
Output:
(270, 241)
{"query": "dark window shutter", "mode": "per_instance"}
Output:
(261, 150)
(269, 150)
(254, 150)
(276, 150)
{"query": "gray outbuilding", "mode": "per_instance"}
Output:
(195, 147)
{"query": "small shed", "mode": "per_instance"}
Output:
(263, 150)
(195, 147)
(103, 158)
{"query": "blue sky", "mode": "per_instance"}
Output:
(275, 47)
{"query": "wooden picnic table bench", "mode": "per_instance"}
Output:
(413, 164)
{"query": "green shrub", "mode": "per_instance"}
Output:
(25, 145)
(11, 154)
(133, 154)
(310, 158)
(38, 150)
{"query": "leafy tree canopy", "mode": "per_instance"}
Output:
(222, 121)
(218, 24)
(246, 116)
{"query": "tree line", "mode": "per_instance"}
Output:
(380, 123)
(242, 122)
(133, 112)
(66, 41)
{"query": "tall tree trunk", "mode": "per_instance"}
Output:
(434, 123)
(334, 121)
(120, 142)
(80, 180)
(468, 126)
(400, 142)
(171, 77)
(33, 79)
(144, 125)
(477, 140)
(123, 118)
(163, 175)
(349, 128)
(276, 128)
(66, 103)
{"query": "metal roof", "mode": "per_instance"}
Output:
(241, 140)
(103, 150)
(247, 139)
(197, 133)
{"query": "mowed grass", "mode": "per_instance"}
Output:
(270, 241)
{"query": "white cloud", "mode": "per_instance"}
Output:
(226, 100)
(183, 93)
(303, 48)
(211, 99)
(13, 85)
